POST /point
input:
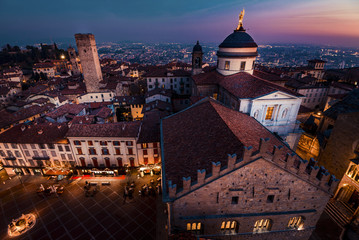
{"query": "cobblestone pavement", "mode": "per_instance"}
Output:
(106, 215)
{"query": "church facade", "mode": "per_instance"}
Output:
(234, 84)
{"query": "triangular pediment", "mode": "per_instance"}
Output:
(276, 96)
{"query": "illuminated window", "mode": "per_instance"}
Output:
(296, 223)
(90, 143)
(263, 225)
(243, 66)
(226, 65)
(194, 227)
(228, 227)
(144, 145)
(79, 151)
(269, 113)
(352, 171)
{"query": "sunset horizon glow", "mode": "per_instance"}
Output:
(325, 22)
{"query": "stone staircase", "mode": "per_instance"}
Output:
(340, 212)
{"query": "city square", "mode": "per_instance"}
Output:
(72, 215)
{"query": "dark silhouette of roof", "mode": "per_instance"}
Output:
(238, 39)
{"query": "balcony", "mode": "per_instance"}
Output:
(10, 158)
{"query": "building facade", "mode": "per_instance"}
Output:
(47, 68)
(234, 84)
(233, 179)
(108, 145)
(37, 150)
(176, 80)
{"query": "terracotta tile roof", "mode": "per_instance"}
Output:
(194, 99)
(204, 133)
(161, 91)
(88, 119)
(95, 105)
(303, 109)
(35, 133)
(67, 109)
(123, 129)
(207, 78)
(4, 90)
(150, 131)
(349, 104)
(159, 105)
(163, 72)
(343, 85)
(31, 111)
(241, 85)
(104, 112)
(268, 76)
(80, 90)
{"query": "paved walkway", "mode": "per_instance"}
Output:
(106, 215)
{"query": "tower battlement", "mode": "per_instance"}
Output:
(306, 170)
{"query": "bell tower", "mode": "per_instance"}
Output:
(73, 59)
(197, 56)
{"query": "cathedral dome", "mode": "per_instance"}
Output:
(238, 39)
(197, 47)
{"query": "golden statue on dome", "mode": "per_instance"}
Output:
(240, 22)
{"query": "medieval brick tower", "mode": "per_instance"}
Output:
(90, 63)
(73, 59)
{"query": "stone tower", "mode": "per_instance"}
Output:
(90, 63)
(75, 66)
(197, 56)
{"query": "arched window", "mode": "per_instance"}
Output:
(296, 223)
(195, 227)
(284, 113)
(228, 227)
(256, 114)
(263, 225)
